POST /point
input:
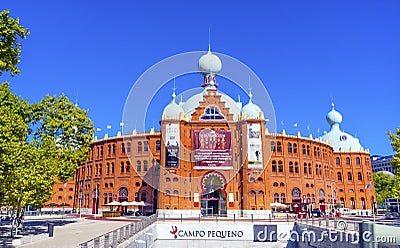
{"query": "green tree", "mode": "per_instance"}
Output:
(40, 144)
(383, 186)
(10, 48)
(395, 142)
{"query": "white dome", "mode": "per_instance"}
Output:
(173, 110)
(334, 117)
(209, 64)
(251, 110)
(339, 140)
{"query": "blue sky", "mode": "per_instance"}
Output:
(307, 53)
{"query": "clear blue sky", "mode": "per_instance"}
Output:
(306, 52)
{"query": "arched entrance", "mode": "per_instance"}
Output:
(122, 197)
(213, 199)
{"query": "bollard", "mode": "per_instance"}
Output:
(234, 218)
(51, 229)
(252, 220)
(96, 243)
(164, 217)
(181, 218)
(301, 218)
(107, 240)
(312, 220)
(127, 232)
(334, 223)
(269, 217)
(326, 222)
(287, 217)
(319, 221)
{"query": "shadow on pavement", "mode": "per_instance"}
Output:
(31, 227)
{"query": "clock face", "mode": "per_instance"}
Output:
(321, 193)
(343, 138)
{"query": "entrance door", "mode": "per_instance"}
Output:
(213, 204)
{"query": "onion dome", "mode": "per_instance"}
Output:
(334, 117)
(251, 110)
(173, 110)
(339, 140)
(209, 64)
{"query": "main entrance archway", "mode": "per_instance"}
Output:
(213, 198)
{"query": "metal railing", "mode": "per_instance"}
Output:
(118, 236)
(330, 223)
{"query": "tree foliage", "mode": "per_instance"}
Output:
(10, 48)
(383, 184)
(395, 141)
(40, 144)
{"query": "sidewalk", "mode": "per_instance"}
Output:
(72, 234)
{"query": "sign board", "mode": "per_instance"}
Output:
(212, 149)
(254, 146)
(172, 142)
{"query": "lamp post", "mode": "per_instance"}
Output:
(80, 203)
(65, 195)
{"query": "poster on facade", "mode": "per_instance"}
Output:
(172, 142)
(212, 149)
(254, 146)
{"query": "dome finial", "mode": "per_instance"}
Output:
(250, 93)
(173, 91)
(333, 105)
(209, 40)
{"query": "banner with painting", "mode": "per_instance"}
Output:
(212, 149)
(254, 146)
(172, 142)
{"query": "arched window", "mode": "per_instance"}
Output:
(108, 168)
(252, 192)
(273, 166)
(294, 148)
(279, 146)
(261, 192)
(308, 150)
(260, 180)
(305, 168)
(123, 193)
(175, 179)
(138, 166)
(145, 165)
(312, 185)
(128, 166)
(112, 168)
(122, 167)
(359, 175)
(342, 201)
(347, 160)
(315, 151)
(296, 168)
(280, 166)
(303, 148)
(275, 184)
(296, 193)
(273, 148)
(283, 198)
(337, 161)
(105, 198)
(143, 197)
(139, 148)
(100, 169)
(146, 146)
(167, 179)
(176, 192)
(113, 149)
(108, 149)
(352, 203)
(158, 145)
(362, 190)
(282, 184)
(349, 176)
(308, 198)
(339, 176)
(212, 113)
(276, 197)
(363, 203)
(310, 169)
(313, 198)
(321, 194)
(289, 147)
(357, 160)
(128, 149)
(307, 185)
(252, 179)
(123, 148)
(291, 170)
